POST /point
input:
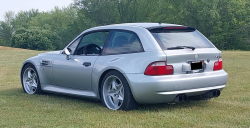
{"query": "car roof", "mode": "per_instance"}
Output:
(139, 25)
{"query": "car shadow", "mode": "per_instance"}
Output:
(69, 100)
(52, 98)
(169, 107)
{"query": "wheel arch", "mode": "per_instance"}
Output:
(26, 63)
(102, 76)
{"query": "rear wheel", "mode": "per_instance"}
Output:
(116, 93)
(30, 80)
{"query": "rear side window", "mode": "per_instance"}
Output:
(122, 42)
(169, 38)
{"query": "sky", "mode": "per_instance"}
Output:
(25, 5)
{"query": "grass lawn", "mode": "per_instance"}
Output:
(17, 109)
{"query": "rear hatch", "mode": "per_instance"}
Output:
(187, 50)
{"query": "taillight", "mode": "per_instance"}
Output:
(159, 68)
(218, 64)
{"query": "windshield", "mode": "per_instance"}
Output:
(170, 39)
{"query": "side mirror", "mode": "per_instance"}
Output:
(67, 53)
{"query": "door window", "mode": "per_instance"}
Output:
(92, 44)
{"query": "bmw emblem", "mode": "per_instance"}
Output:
(196, 57)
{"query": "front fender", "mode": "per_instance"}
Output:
(33, 60)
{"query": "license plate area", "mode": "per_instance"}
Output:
(196, 65)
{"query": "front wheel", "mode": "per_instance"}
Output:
(30, 80)
(116, 93)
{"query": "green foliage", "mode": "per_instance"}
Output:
(6, 29)
(100, 12)
(23, 18)
(5, 33)
(60, 22)
(35, 38)
(225, 22)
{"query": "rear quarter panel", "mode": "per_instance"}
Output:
(133, 63)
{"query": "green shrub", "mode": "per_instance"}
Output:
(35, 38)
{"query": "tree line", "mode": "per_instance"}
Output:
(225, 22)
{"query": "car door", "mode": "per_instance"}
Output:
(75, 73)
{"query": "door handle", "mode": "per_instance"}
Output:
(86, 64)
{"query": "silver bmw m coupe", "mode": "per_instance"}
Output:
(124, 65)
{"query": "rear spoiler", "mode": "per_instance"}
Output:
(171, 29)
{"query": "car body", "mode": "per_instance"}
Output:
(165, 63)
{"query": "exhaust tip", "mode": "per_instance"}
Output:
(180, 98)
(217, 93)
(206, 96)
(183, 97)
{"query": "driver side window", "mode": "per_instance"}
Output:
(92, 43)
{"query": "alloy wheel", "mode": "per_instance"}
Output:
(113, 92)
(30, 81)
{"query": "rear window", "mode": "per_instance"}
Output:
(169, 38)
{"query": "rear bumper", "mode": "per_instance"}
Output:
(160, 89)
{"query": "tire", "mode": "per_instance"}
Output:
(30, 80)
(116, 93)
